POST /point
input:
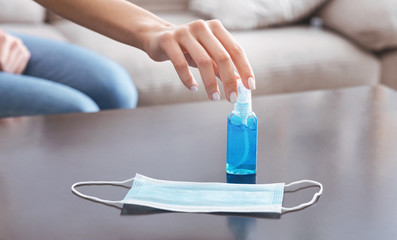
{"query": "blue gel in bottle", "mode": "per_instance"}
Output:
(242, 126)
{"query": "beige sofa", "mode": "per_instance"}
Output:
(287, 58)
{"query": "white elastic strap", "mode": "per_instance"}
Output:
(73, 188)
(303, 205)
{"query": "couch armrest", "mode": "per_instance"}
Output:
(372, 24)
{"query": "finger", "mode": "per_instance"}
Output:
(12, 67)
(21, 64)
(14, 58)
(11, 63)
(190, 61)
(4, 51)
(204, 64)
(24, 59)
(175, 54)
(216, 69)
(221, 57)
(237, 54)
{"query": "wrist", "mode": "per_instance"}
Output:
(149, 30)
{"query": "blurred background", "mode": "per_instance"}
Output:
(292, 45)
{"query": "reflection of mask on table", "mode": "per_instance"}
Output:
(241, 226)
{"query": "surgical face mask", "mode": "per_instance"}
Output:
(205, 197)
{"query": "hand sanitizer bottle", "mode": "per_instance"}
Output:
(242, 126)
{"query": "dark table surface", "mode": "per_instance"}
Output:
(345, 139)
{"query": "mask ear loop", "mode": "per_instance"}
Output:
(303, 205)
(96, 199)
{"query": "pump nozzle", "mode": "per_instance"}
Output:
(243, 105)
(244, 94)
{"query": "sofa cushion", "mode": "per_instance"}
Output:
(389, 69)
(300, 58)
(21, 11)
(284, 60)
(162, 5)
(238, 15)
(39, 30)
(373, 24)
(151, 5)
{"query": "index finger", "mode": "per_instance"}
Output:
(237, 54)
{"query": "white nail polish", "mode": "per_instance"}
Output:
(251, 83)
(194, 89)
(215, 96)
(233, 97)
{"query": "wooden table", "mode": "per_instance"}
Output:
(345, 139)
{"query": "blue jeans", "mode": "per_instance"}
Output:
(64, 78)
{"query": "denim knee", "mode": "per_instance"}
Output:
(98, 77)
(75, 103)
(116, 89)
(80, 103)
(24, 96)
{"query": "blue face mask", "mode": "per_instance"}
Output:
(205, 197)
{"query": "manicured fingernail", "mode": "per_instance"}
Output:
(251, 83)
(194, 89)
(233, 97)
(215, 96)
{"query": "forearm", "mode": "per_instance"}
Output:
(117, 19)
(204, 44)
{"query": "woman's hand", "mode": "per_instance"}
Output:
(206, 45)
(14, 55)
